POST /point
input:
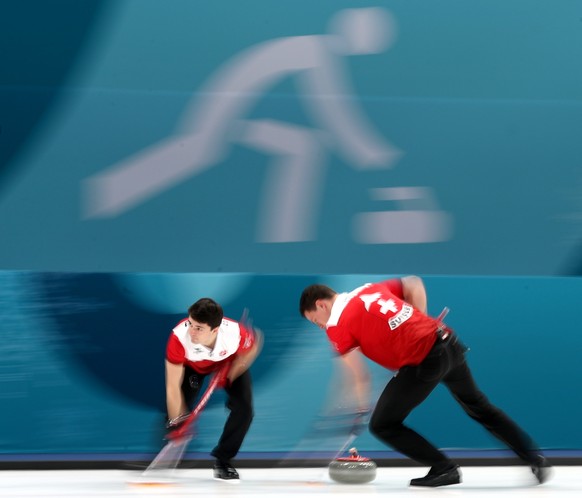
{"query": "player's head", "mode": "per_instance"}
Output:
(206, 311)
(362, 31)
(316, 302)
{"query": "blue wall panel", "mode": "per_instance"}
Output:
(147, 159)
(318, 137)
(82, 361)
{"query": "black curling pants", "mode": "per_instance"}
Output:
(411, 385)
(240, 405)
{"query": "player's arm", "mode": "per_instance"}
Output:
(174, 399)
(414, 292)
(243, 360)
(357, 378)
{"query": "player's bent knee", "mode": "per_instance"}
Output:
(383, 429)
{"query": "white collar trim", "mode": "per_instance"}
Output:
(341, 301)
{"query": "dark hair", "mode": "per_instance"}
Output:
(206, 311)
(311, 294)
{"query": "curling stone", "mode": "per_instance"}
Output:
(354, 469)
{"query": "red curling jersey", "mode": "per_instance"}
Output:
(387, 329)
(232, 338)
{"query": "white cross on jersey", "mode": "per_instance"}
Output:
(385, 305)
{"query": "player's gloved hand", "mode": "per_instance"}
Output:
(176, 422)
(175, 425)
(360, 421)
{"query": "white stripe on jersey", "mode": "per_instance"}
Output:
(340, 303)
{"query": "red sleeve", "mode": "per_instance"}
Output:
(247, 339)
(175, 351)
(394, 286)
(342, 342)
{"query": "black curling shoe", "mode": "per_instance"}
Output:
(224, 471)
(541, 469)
(439, 477)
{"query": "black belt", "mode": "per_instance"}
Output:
(444, 333)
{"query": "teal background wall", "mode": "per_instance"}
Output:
(154, 152)
(468, 119)
(82, 362)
